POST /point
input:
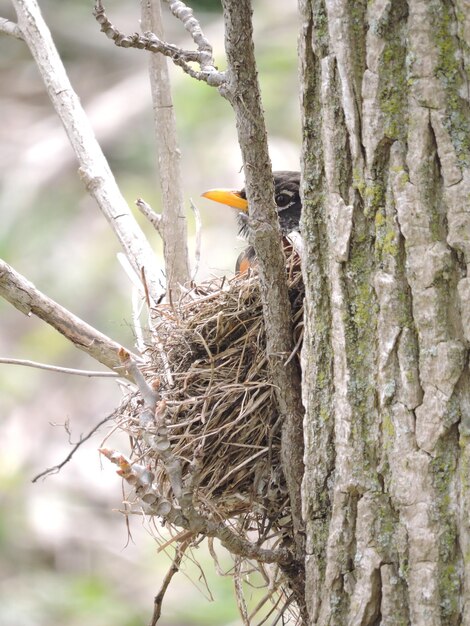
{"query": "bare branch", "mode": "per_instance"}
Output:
(153, 217)
(238, 583)
(175, 566)
(173, 222)
(24, 296)
(10, 28)
(242, 91)
(56, 468)
(56, 368)
(192, 25)
(197, 251)
(94, 169)
(150, 396)
(149, 41)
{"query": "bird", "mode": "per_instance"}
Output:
(288, 205)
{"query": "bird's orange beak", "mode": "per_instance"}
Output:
(229, 197)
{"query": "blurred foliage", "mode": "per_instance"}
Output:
(62, 548)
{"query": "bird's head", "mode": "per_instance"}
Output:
(286, 195)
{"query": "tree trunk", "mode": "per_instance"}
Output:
(386, 221)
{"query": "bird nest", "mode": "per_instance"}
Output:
(206, 432)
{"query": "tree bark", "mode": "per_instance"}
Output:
(386, 155)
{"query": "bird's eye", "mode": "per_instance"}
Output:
(282, 199)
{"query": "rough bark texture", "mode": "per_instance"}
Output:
(385, 95)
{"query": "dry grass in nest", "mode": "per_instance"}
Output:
(209, 362)
(221, 400)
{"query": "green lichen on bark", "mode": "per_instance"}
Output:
(373, 196)
(388, 431)
(361, 328)
(317, 351)
(443, 469)
(392, 71)
(386, 522)
(451, 73)
(386, 236)
(431, 183)
(320, 28)
(358, 32)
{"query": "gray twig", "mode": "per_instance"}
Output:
(197, 249)
(57, 368)
(149, 41)
(24, 296)
(192, 25)
(56, 468)
(153, 217)
(175, 566)
(150, 396)
(173, 227)
(10, 28)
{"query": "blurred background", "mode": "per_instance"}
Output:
(65, 552)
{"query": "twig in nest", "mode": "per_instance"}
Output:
(56, 468)
(184, 535)
(212, 552)
(262, 602)
(273, 608)
(283, 610)
(157, 611)
(237, 581)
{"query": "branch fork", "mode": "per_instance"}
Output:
(149, 41)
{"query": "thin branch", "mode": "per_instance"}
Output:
(24, 296)
(240, 598)
(173, 223)
(197, 249)
(186, 16)
(150, 396)
(149, 41)
(175, 566)
(243, 93)
(136, 280)
(10, 28)
(57, 368)
(56, 468)
(153, 217)
(137, 306)
(262, 602)
(94, 169)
